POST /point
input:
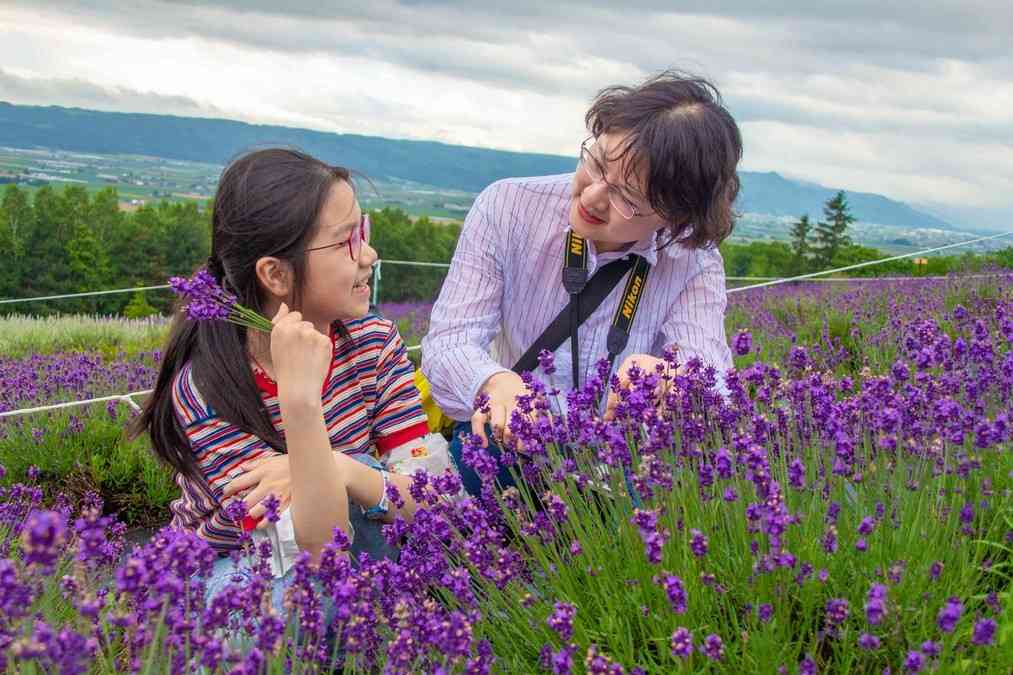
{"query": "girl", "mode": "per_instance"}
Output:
(296, 413)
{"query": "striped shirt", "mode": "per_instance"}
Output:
(504, 288)
(369, 399)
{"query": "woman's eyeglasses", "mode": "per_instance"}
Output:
(596, 172)
(355, 241)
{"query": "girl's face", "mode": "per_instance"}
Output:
(338, 261)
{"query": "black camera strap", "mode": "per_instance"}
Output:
(585, 297)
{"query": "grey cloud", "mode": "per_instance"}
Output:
(84, 94)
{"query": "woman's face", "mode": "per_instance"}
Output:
(338, 270)
(599, 186)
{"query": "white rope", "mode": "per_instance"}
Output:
(774, 282)
(387, 261)
(127, 398)
(81, 295)
(867, 263)
(771, 280)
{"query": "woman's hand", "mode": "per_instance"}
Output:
(301, 356)
(263, 476)
(649, 366)
(502, 389)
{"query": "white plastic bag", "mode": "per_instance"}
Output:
(431, 453)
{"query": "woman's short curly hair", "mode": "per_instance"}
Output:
(677, 129)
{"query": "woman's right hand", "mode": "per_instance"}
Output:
(301, 356)
(502, 389)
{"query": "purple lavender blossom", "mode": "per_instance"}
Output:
(698, 543)
(914, 662)
(675, 590)
(868, 641)
(546, 361)
(837, 610)
(949, 615)
(742, 343)
(984, 632)
(713, 647)
(682, 643)
(561, 619)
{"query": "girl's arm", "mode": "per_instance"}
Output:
(302, 357)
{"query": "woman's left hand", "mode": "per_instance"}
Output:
(262, 477)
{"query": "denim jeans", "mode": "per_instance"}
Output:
(367, 537)
(469, 479)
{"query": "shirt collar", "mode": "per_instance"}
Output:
(646, 247)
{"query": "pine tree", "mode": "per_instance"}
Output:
(800, 244)
(832, 231)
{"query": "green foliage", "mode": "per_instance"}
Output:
(397, 237)
(66, 241)
(832, 232)
(87, 449)
(801, 231)
(138, 307)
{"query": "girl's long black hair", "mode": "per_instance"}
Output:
(267, 204)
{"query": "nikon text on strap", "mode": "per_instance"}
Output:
(585, 297)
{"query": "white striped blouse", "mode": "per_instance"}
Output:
(504, 288)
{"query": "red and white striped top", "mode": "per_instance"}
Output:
(369, 400)
(504, 288)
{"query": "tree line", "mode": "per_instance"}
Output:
(60, 241)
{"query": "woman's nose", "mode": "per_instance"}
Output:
(596, 195)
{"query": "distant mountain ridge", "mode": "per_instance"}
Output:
(427, 162)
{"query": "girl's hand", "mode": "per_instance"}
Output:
(264, 476)
(301, 356)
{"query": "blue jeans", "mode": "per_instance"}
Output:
(368, 537)
(469, 479)
(473, 484)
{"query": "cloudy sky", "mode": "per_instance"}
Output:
(909, 99)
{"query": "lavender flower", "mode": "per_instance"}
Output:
(949, 615)
(682, 643)
(914, 662)
(698, 543)
(713, 647)
(868, 641)
(546, 361)
(675, 590)
(561, 619)
(206, 300)
(743, 343)
(984, 632)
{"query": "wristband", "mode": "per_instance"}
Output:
(380, 510)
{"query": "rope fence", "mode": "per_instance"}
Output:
(764, 282)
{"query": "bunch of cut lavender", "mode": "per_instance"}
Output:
(207, 300)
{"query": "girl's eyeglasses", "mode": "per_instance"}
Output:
(355, 241)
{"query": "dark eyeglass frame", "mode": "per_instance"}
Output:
(596, 172)
(355, 240)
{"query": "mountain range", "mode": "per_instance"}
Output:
(425, 162)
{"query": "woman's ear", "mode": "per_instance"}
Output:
(275, 276)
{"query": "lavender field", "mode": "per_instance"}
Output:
(847, 508)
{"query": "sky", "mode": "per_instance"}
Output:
(913, 100)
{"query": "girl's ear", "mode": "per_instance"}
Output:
(275, 276)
